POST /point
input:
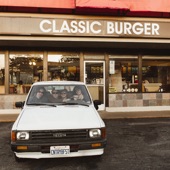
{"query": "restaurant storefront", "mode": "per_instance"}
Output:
(125, 62)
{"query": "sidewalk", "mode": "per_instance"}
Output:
(10, 115)
(135, 112)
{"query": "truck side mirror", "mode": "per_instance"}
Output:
(97, 103)
(19, 104)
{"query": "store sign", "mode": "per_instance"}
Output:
(99, 27)
(112, 67)
(113, 27)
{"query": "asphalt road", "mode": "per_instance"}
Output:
(133, 144)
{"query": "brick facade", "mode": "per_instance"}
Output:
(139, 99)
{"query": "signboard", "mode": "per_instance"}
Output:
(112, 67)
(83, 27)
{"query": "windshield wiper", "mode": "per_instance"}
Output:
(42, 104)
(74, 103)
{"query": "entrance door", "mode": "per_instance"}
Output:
(95, 80)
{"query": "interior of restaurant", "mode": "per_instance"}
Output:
(27, 68)
(155, 75)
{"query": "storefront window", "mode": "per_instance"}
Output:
(2, 74)
(156, 74)
(24, 69)
(63, 66)
(123, 75)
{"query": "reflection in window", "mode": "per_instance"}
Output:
(63, 67)
(24, 69)
(156, 74)
(2, 73)
(125, 76)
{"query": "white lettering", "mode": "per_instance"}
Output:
(96, 27)
(74, 28)
(110, 28)
(65, 27)
(42, 26)
(92, 27)
(54, 27)
(118, 28)
(155, 28)
(82, 28)
(147, 29)
(137, 28)
(87, 27)
(127, 28)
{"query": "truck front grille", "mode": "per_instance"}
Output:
(59, 135)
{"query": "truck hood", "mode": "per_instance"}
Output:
(60, 117)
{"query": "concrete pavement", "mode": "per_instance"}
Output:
(135, 112)
(10, 115)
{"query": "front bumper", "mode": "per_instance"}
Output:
(38, 151)
(39, 155)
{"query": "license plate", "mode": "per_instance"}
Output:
(60, 150)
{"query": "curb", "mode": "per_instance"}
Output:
(136, 115)
(138, 109)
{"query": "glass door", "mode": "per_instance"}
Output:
(95, 80)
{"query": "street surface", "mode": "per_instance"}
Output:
(133, 144)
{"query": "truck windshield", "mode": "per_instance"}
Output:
(58, 94)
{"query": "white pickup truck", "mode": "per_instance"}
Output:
(58, 121)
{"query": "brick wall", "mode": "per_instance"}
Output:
(8, 101)
(139, 99)
(115, 100)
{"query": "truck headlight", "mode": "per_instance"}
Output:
(22, 135)
(95, 133)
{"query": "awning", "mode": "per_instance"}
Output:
(67, 4)
(150, 5)
(129, 8)
(132, 5)
(112, 4)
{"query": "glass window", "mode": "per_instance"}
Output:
(59, 94)
(156, 74)
(2, 73)
(24, 69)
(63, 67)
(123, 75)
